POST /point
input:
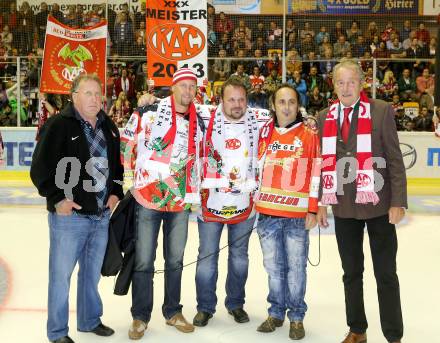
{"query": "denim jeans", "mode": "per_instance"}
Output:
(175, 231)
(285, 245)
(207, 268)
(75, 238)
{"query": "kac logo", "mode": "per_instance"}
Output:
(327, 181)
(233, 144)
(363, 180)
(177, 41)
(76, 57)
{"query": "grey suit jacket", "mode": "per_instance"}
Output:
(385, 144)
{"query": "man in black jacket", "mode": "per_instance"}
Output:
(76, 166)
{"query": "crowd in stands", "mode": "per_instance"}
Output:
(248, 48)
(311, 54)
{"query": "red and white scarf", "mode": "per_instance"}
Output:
(214, 161)
(161, 148)
(364, 174)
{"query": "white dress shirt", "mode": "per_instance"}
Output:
(341, 113)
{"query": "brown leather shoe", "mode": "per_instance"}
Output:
(355, 338)
(296, 330)
(137, 329)
(270, 324)
(180, 323)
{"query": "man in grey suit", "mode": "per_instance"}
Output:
(355, 130)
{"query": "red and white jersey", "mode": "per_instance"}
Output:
(256, 80)
(229, 204)
(160, 182)
(291, 173)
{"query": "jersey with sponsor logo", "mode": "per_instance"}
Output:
(228, 204)
(134, 138)
(290, 179)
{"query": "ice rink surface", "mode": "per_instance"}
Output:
(24, 247)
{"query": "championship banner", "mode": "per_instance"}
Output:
(354, 6)
(176, 37)
(69, 52)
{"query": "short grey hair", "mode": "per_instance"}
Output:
(84, 77)
(349, 63)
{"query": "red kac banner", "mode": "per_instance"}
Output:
(176, 38)
(69, 52)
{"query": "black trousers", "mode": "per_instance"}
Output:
(383, 246)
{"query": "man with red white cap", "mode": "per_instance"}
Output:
(162, 146)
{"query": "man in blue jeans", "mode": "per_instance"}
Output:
(229, 178)
(287, 204)
(161, 144)
(76, 166)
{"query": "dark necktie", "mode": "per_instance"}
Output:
(345, 128)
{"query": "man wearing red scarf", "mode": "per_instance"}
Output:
(369, 189)
(161, 146)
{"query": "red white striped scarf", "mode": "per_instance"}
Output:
(159, 151)
(364, 174)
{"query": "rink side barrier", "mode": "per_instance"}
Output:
(421, 154)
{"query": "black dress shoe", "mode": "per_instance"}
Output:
(240, 315)
(65, 339)
(102, 330)
(202, 318)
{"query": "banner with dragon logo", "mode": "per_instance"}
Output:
(69, 52)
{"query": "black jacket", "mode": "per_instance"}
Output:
(62, 136)
(121, 239)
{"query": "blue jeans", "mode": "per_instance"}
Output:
(75, 238)
(207, 268)
(285, 245)
(175, 231)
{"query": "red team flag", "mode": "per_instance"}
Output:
(176, 38)
(69, 52)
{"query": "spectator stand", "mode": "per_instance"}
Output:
(248, 39)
